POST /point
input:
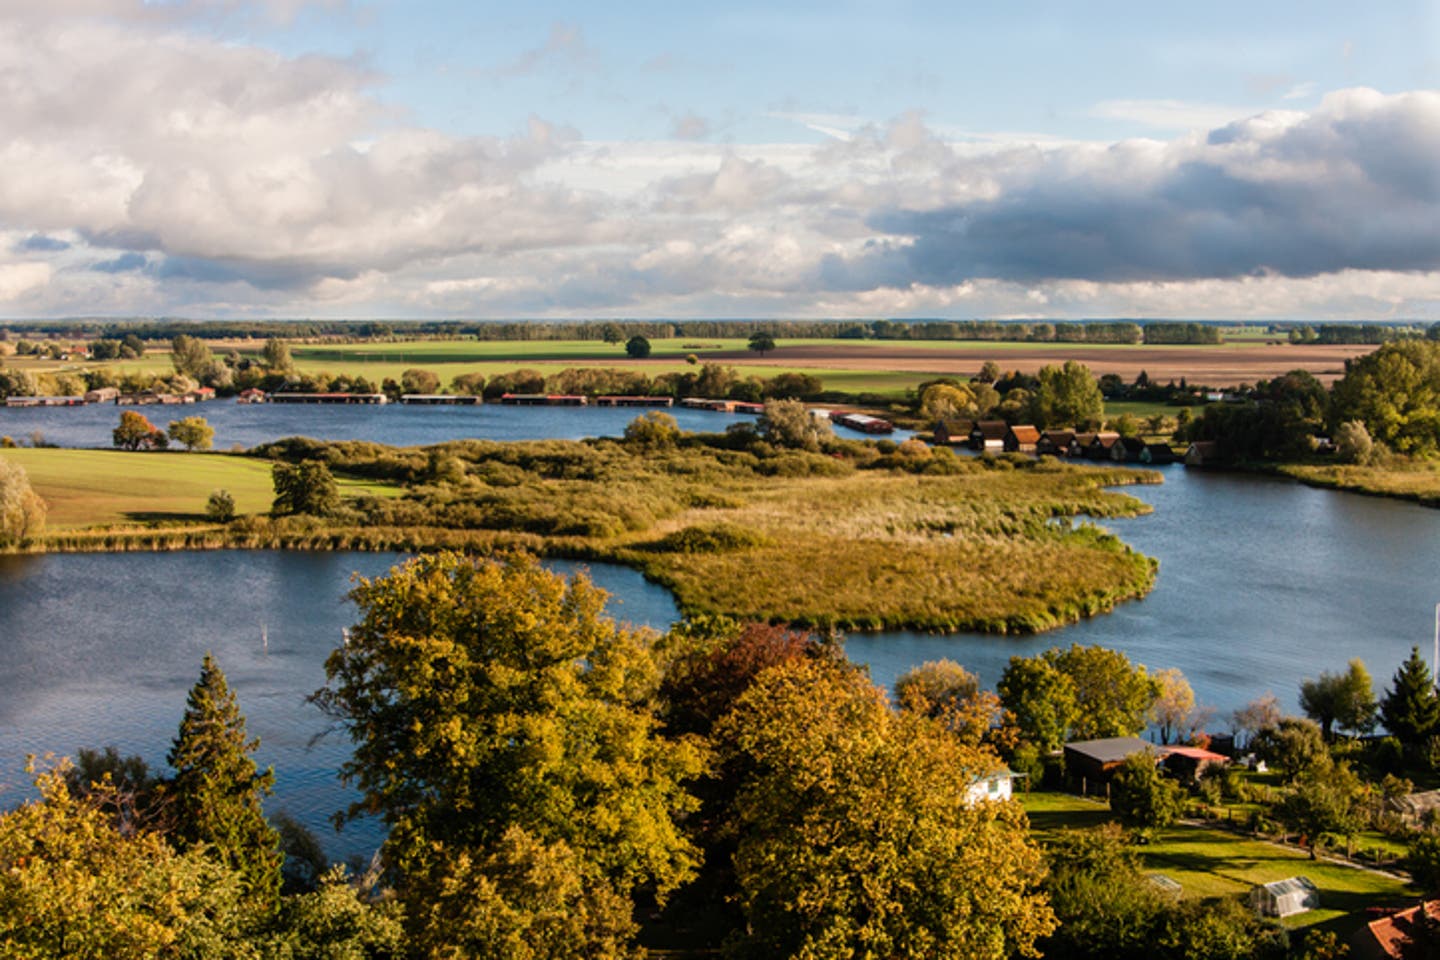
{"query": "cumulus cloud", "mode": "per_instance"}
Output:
(1353, 186)
(152, 168)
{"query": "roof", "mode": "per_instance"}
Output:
(1058, 436)
(1393, 934)
(1111, 749)
(1282, 888)
(1106, 439)
(1193, 753)
(1417, 803)
(1025, 433)
(992, 429)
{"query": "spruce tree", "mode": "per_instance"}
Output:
(217, 792)
(1410, 709)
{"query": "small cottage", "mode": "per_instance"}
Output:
(953, 432)
(1416, 808)
(1397, 936)
(1021, 439)
(1202, 453)
(999, 785)
(1090, 763)
(1054, 443)
(989, 435)
(1285, 898)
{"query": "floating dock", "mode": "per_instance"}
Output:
(634, 401)
(358, 398)
(44, 401)
(862, 422)
(544, 400)
(440, 400)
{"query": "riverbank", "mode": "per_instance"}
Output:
(850, 539)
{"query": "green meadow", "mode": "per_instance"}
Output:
(87, 488)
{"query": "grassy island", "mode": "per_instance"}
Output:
(852, 535)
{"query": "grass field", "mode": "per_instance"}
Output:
(1209, 862)
(101, 487)
(1417, 480)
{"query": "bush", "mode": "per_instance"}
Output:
(220, 507)
(712, 538)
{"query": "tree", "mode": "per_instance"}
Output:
(1039, 700)
(612, 333)
(789, 423)
(1291, 746)
(1353, 443)
(1175, 704)
(1066, 396)
(468, 384)
(504, 732)
(854, 833)
(220, 507)
(1395, 392)
(1104, 902)
(74, 885)
(276, 356)
(190, 356)
(1259, 714)
(944, 401)
(1326, 798)
(1410, 709)
(22, 512)
(419, 381)
(945, 691)
(194, 432)
(989, 372)
(653, 431)
(1346, 699)
(136, 432)
(217, 794)
(307, 487)
(1112, 697)
(1141, 797)
(637, 347)
(761, 342)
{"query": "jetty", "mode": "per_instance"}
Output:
(354, 398)
(440, 399)
(544, 399)
(44, 401)
(862, 422)
(634, 401)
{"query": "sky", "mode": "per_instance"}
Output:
(478, 160)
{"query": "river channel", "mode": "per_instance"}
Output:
(1262, 583)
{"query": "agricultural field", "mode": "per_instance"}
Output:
(85, 488)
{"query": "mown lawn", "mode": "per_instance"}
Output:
(99, 487)
(1209, 862)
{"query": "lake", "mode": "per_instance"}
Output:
(1262, 583)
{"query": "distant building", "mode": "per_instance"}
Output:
(989, 435)
(102, 395)
(1415, 808)
(953, 432)
(999, 785)
(1089, 764)
(1020, 438)
(1399, 936)
(1158, 454)
(1285, 898)
(1100, 445)
(1055, 443)
(1202, 453)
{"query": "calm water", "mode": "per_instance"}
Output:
(245, 425)
(1262, 583)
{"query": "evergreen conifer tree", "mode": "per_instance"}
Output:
(217, 792)
(1411, 710)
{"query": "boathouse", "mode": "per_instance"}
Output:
(1054, 443)
(953, 432)
(102, 395)
(1021, 438)
(989, 435)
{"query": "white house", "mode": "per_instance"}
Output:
(995, 786)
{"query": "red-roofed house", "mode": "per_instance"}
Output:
(1401, 936)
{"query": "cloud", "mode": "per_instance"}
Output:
(20, 279)
(1353, 186)
(1174, 115)
(125, 263)
(690, 126)
(565, 46)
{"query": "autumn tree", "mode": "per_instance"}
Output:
(1174, 705)
(217, 795)
(1410, 709)
(22, 512)
(855, 837)
(136, 432)
(945, 691)
(505, 733)
(75, 886)
(1259, 714)
(194, 432)
(307, 488)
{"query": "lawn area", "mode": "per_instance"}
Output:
(99, 487)
(1208, 862)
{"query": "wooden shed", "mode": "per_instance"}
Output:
(989, 435)
(1089, 763)
(1055, 443)
(953, 432)
(1202, 453)
(1020, 438)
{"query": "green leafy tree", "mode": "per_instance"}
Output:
(190, 356)
(1113, 697)
(1327, 797)
(194, 432)
(1066, 396)
(1291, 746)
(136, 432)
(789, 423)
(75, 886)
(1141, 797)
(1104, 902)
(655, 430)
(989, 372)
(612, 333)
(761, 342)
(854, 834)
(1410, 709)
(217, 795)
(419, 381)
(307, 487)
(339, 920)
(1039, 701)
(1344, 699)
(22, 511)
(637, 347)
(220, 507)
(275, 356)
(1395, 392)
(505, 732)
(468, 384)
